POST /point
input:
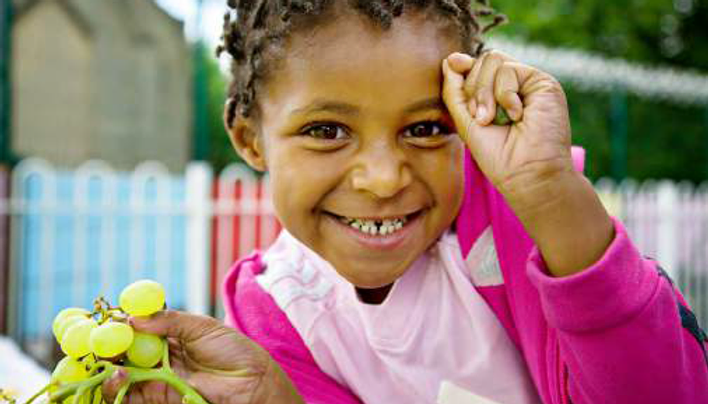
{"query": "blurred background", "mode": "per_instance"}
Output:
(114, 164)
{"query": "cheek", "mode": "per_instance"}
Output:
(299, 181)
(445, 175)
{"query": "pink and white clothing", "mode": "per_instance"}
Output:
(480, 311)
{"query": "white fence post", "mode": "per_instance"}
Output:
(667, 235)
(198, 183)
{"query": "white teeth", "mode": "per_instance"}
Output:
(373, 227)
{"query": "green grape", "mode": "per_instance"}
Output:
(64, 315)
(75, 341)
(501, 118)
(146, 350)
(111, 339)
(69, 370)
(97, 397)
(66, 324)
(142, 298)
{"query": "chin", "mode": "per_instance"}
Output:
(373, 280)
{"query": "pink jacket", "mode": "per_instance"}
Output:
(618, 332)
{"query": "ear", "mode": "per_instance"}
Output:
(245, 138)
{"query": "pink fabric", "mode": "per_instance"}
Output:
(255, 314)
(610, 334)
(431, 316)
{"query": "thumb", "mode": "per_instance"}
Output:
(175, 324)
(206, 341)
(112, 386)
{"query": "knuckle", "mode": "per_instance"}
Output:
(485, 93)
(495, 57)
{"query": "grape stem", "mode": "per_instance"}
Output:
(135, 375)
(72, 388)
(39, 393)
(166, 356)
(189, 395)
(7, 397)
(80, 394)
(121, 393)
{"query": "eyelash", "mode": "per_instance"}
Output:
(443, 129)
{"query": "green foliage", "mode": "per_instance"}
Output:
(221, 153)
(665, 141)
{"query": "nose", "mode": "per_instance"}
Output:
(382, 170)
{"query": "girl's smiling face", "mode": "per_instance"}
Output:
(352, 126)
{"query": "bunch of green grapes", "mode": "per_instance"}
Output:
(97, 342)
(86, 336)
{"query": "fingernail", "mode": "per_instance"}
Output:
(481, 113)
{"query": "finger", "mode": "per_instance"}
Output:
(111, 386)
(211, 387)
(533, 81)
(460, 62)
(471, 79)
(506, 89)
(484, 86)
(456, 101)
(176, 324)
(157, 393)
(470, 86)
(135, 395)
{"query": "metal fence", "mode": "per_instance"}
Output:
(77, 234)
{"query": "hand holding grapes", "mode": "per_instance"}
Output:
(139, 353)
(222, 364)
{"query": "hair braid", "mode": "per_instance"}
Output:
(254, 29)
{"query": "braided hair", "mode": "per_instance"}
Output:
(255, 30)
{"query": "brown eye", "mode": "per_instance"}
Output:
(427, 129)
(326, 132)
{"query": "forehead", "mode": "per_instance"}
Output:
(355, 61)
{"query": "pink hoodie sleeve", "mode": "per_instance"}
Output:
(252, 311)
(626, 335)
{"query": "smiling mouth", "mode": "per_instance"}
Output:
(376, 226)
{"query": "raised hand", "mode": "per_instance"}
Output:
(528, 160)
(535, 145)
(224, 366)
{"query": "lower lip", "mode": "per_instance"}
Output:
(381, 242)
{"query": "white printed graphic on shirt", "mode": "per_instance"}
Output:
(482, 261)
(287, 281)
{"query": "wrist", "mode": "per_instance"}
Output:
(275, 387)
(538, 186)
(566, 220)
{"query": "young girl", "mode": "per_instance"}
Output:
(424, 246)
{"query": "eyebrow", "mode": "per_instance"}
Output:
(343, 108)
